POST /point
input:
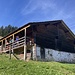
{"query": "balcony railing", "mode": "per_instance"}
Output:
(16, 44)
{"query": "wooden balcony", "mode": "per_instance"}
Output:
(16, 44)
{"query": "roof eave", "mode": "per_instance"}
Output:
(68, 28)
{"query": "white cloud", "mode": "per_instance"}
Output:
(29, 8)
(47, 7)
(41, 5)
(52, 9)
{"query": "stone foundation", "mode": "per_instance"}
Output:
(54, 55)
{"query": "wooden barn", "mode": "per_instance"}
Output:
(48, 41)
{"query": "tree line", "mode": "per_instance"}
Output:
(4, 30)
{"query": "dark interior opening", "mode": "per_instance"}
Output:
(0, 43)
(28, 51)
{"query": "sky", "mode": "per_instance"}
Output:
(20, 12)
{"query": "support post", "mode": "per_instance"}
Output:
(5, 43)
(24, 52)
(10, 52)
(34, 52)
(2, 45)
(12, 44)
(25, 46)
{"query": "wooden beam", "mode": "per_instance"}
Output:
(2, 45)
(18, 47)
(5, 43)
(9, 36)
(10, 53)
(21, 29)
(24, 52)
(25, 46)
(15, 56)
(13, 37)
(15, 32)
(12, 44)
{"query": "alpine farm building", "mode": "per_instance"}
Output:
(46, 41)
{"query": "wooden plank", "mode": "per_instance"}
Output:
(10, 53)
(15, 56)
(2, 45)
(18, 44)
(24, 52)
(5, 51)
(5, 43)
(25, 46)
(9, 36)
(21, 29)
(12, 44)
(18, 47)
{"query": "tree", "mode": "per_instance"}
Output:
(6, 30)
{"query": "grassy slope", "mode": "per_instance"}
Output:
(17, 67)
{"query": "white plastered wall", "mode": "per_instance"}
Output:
(54, 55)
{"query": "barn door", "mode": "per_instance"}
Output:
(42, 51)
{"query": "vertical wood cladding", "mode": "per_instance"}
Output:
(46, 35)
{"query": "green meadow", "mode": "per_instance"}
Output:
(20, 67)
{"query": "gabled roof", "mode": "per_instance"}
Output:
(67, 28)
(45, 22)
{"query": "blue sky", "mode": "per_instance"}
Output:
(20, 12)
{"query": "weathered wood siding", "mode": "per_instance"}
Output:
(47, 34)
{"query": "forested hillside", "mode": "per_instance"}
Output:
(4, 30)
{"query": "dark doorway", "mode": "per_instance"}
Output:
(42, 51)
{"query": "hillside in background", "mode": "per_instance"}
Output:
(6, 30)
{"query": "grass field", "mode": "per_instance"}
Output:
(18, 67)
